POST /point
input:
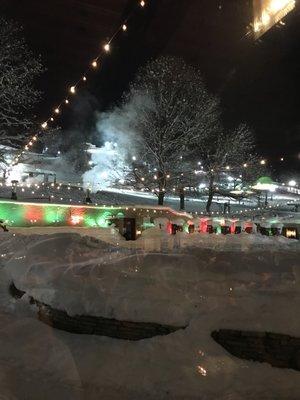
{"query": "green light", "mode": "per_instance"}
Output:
(55, 215)
(120, 215)
(103, 219)
(186, 228)
(147, 225)
(12, 213)
(90, 221)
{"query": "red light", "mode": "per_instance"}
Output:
(203, 226)
(77, 216)
(33, 213)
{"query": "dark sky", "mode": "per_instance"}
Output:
(258, 82)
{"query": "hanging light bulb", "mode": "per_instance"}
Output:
(107, 47)
(51, 119)
(94, 64)
(124, 27)
(44, 125)
(34, 138)
(84, 78)
(67, 101)
(73, 89)
(142, 3)
(56, 110)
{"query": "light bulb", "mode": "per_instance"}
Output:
(107, 47)
(73, 89)
(124, 27)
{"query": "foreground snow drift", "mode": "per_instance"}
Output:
(205, 283)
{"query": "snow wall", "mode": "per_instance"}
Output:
(21, 214)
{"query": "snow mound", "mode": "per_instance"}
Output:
(84, 275)
(206, 282)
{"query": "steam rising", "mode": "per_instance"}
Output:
(108, 163)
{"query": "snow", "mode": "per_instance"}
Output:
(206, 282)
(70, 192)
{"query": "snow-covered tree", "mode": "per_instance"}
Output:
(172, 110)
(225, 152)
(18, 70)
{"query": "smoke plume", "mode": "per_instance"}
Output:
(109, 162)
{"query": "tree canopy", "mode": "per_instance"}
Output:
(18, 96)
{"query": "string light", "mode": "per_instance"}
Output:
(107, 47)
(72, 89)
(94, 64)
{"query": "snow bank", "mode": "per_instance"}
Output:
(207, 282)
(83, 275)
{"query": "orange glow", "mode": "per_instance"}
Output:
(291, 233)
(77, 216)
(268, 13)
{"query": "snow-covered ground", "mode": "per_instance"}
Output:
(206, 282)
(74, 194)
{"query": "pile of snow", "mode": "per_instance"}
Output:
(201, 286)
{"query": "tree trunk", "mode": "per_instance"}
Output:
(266, 198)
(210, 194)
(161, 197)
(182, 199)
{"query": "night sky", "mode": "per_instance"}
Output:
(258, 82)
